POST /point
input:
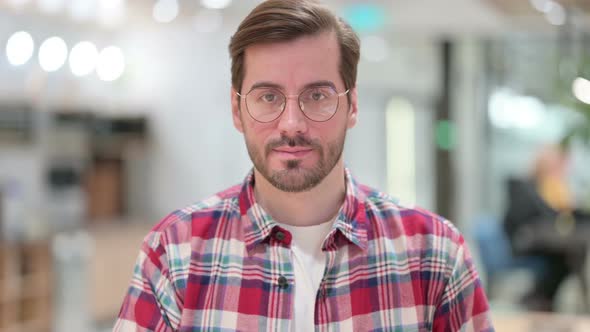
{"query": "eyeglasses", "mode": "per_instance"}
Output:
(318, 103)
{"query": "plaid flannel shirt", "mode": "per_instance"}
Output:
(225, 265)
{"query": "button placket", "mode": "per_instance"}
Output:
(283, 283)
(280, 236)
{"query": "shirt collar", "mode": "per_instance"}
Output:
(351, 221)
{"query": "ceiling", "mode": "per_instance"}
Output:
(429, 17)
(518, 8)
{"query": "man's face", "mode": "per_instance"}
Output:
(293, 152)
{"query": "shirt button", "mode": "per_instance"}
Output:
(280, 236)
(283, 283)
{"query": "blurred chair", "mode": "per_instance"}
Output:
(558, 237)
(502, 268)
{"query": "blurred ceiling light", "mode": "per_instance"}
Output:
(556, 14)
(111, 64)
(529, 112)
(508, 110)
(53, 54)
(165, 11)
(216, 4)
(208, 20)
(542, 5)
(498, 113)
(581, 89)
(51, 6)
(83, 58)
(111, 12)
(375, 48)
(19, 48)
(82, 10)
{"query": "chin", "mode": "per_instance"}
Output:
(292, 177)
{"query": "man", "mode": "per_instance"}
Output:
(300, 245)
(544, 203)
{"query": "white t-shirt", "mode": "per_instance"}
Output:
(309, 263)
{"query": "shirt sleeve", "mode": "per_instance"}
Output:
(151, 303)
(463, 305)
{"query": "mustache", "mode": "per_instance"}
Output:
(299, 140)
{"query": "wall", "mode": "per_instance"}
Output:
(180, 79)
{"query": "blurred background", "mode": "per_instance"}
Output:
(113, 113)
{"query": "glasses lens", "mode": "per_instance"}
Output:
(319, 103)
(265, 104)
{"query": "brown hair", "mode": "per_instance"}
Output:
(286, 20)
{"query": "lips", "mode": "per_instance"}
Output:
(292, 152)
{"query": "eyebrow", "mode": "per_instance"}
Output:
(267, 84)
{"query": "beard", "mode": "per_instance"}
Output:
(294, 177)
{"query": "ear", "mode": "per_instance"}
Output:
(353, 108)
(235, 110)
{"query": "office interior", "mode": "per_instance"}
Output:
(113, 113)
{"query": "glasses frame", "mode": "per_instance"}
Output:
(287, 97)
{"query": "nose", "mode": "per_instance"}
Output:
(292, 121)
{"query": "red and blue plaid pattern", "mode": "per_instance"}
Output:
(224, 265)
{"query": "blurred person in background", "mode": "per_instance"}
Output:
(300, 245)
(545, 201)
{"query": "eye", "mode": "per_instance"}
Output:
(269, 97)
(317, 95)
(266, 96)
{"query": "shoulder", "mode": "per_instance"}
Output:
(195, 220)
(415, 234)
(407, 220)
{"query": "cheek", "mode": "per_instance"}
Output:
(257, 133)
(330, 130)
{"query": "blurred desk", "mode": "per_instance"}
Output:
(540, 322)
(547, 237)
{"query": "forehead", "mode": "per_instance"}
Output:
(295, 63)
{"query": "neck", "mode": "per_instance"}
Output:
(308, 208)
